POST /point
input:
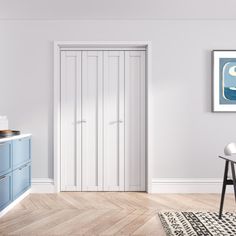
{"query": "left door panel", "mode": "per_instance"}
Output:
(71, 120)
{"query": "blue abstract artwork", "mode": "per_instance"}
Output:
(227, 81)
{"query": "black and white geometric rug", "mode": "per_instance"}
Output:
(198, 223)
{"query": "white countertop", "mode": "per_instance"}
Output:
(14, 137)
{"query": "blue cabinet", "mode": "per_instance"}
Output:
(15, 168)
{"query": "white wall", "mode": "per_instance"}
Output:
(185, 137)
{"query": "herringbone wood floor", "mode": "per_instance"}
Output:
(101, 213)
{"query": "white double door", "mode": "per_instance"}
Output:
(103, 121)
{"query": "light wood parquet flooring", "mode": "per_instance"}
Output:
(101, 213)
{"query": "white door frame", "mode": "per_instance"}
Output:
(91, 45)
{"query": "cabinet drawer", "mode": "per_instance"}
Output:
(21, 180)
(5, 190)
(21, 151)
(5, 158)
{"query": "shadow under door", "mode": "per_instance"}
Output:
(103, 120)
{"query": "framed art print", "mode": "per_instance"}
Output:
(224, 81)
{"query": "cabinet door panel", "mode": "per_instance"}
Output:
(21, 151)
(70, 121)
(6, 189)
(21, 180)
(5, 158)
(92, 116)
(135, 121)
(113, 121)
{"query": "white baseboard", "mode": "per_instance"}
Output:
(182, 185)
(159, 185)
(42, 185)
(20, 198)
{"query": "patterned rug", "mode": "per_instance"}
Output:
(198, 223)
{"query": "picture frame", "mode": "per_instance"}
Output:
(224, 80)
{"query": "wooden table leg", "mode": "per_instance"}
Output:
(234, 178)
(224, 188)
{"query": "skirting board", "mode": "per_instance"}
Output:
(14, 203)
(42, 185)
(182, 185)
(159, 185)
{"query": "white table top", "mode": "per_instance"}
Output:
(14, 137)
(229, 158)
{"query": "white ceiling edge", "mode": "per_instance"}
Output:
(2, 19)
(117, 9)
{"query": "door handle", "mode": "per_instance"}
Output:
(81, 121)
(23, 167)
(3, 177)
(116, 122)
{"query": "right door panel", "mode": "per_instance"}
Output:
(135, 121)
(113, 121)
